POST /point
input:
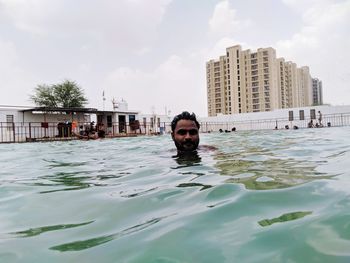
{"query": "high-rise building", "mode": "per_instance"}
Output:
(244, 81)
(317, 96)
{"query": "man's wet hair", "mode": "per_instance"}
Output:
(185, 115)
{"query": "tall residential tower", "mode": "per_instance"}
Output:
(244, 81)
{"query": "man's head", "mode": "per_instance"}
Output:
(185, 132)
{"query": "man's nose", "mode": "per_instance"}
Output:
(187, 135)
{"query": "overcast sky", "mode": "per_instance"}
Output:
(152, 53)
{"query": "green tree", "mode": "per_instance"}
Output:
(44, 96)
(66, 94)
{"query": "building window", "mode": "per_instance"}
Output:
(9, 118)
(109, 121)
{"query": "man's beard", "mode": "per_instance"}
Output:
(187, 146)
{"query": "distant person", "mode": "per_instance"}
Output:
(320, 118)
(185, 132)
(220, 130)
(295, 127)
(311, 124)
(101, 132)
(286, 127)
(234, 129)
(81, 130)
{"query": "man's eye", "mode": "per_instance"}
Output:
(181, 132)
(193, 132)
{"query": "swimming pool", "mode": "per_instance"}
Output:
(264, 196)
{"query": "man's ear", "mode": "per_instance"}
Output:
(172, 135)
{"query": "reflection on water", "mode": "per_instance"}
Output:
(85, 244)
(284, 218)
(203, 186)
(55, 164)
(39, 230)
(187, 159)
(268, 173)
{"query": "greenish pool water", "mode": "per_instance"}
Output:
(267, 196)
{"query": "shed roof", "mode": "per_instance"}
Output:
(59, 109)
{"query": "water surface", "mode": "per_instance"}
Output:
(265, 196)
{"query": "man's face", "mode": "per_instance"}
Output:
(186, 136)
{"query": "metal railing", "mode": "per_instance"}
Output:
(51, 131)
(39, 131)
(332, 120)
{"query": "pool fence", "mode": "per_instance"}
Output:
(11, 132)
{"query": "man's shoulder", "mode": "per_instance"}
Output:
(207, 148)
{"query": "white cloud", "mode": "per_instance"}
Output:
(322, 44)
(224, 21)
(124, 23)
(13, 75)
(171, 85)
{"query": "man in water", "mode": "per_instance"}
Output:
(185, 132)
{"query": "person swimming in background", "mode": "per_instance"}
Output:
(185, 134)
(311, 124)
